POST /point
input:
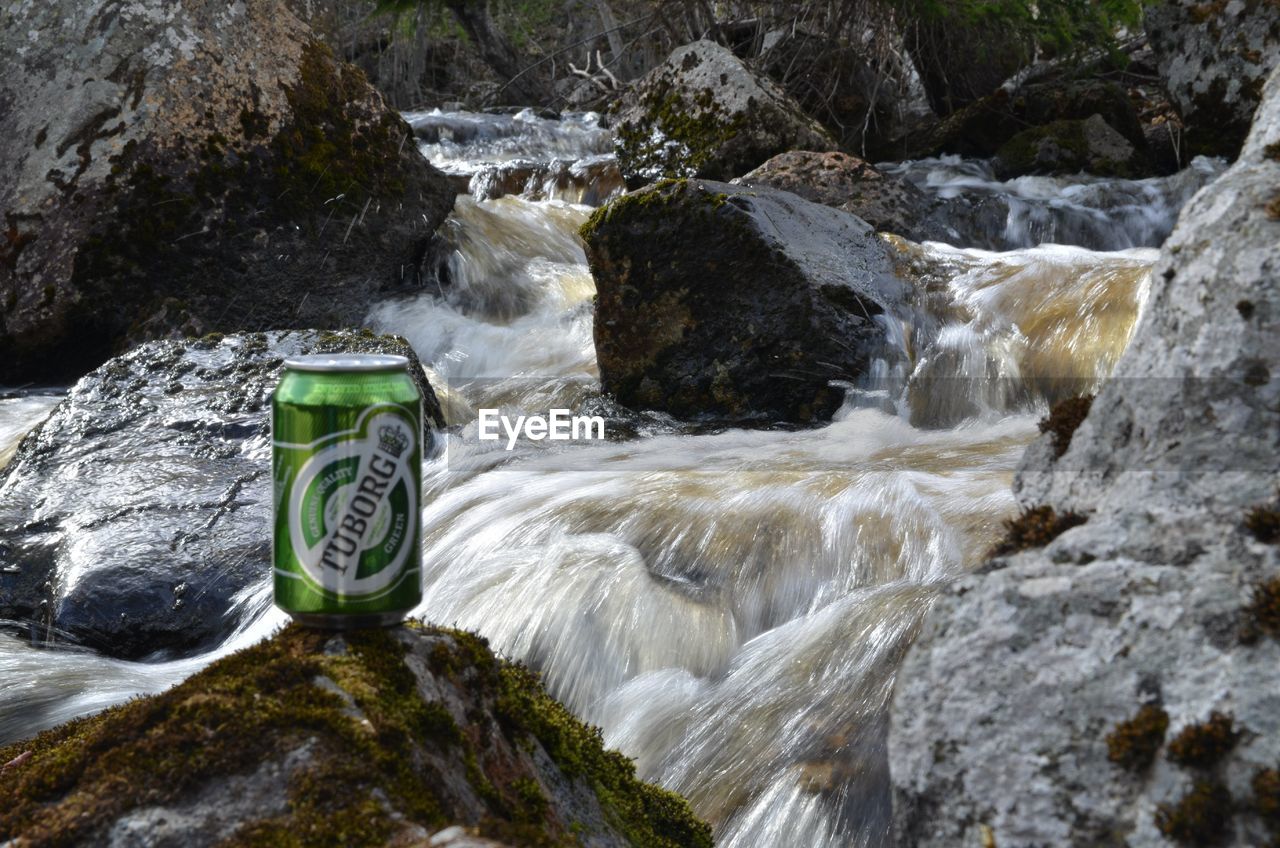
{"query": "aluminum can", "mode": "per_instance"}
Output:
(346, 465)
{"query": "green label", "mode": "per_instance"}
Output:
(350, 504)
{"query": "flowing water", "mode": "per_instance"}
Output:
(729, 606)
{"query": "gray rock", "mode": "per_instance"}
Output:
(720, 302)
(133, 516)
(1003, 707)
(1213, 59)
(846, 182)
(174, 168)
(704, 113)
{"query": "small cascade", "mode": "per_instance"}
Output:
(1099, 213)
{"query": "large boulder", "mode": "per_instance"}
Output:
(179, 168)
(1213, 59)
(722, 302)
(1066, 694)
(846, 182)
(704, 113)
(132, 518)
(405, 736)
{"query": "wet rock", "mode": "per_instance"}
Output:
(178, 168)
(135, 516)
(704, 113)
(1069, 147)
(735, 304)
(1213, 59)
(1017, 713)
(846, 182)
(406, 736)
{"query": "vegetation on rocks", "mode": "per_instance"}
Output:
(1203, 745)
(1063, 419)
(1035, 528)
(368, 733)
(1134, 742)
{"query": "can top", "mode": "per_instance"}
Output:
(340, 362)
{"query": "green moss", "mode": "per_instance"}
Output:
(698, 126)
(646, 815)
(1035, 528)
(375, 748)
(1203, 745)
(1063, 419)
(1134, 742)
(1202, 817)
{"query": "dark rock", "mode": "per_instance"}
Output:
(719, 301)
(404, 736)
(983, 127)
(962, 60)
(133, 516)
(1213, 59)
(846, 182)
(704, 113)
(209, 168)
(863, 99)
(1007, 708)
(1068, 147)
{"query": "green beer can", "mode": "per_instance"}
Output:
(346, 464)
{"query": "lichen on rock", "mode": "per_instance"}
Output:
(704, 113)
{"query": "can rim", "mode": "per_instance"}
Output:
(347, 362)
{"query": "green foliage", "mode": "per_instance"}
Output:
(1061, 26)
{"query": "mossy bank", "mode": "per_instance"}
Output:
(368, 738)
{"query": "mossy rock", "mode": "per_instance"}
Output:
(360, 739)
(244, 180)
(1069, 147)
(704, 113)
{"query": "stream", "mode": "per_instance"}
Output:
(729, 605)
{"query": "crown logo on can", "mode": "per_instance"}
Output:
(392, 440)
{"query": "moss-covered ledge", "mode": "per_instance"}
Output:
(370, 738)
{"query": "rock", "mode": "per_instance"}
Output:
(1069, 147)
(961, 59)
(846, 182)
(177, 168)
(370, 738)
(983, 127)
(720, 302)
(1213, 58)
(704, 113)
(1033, 708)
(132, 518)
